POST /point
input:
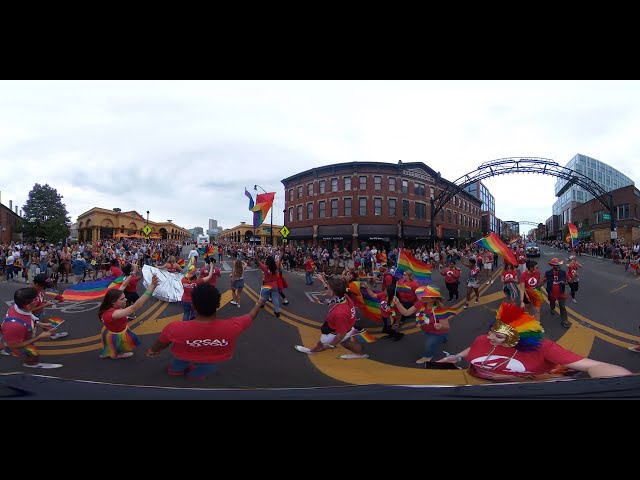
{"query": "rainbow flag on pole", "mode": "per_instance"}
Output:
(421, 271)
(572, 235)
(264, 201)
(493, 243)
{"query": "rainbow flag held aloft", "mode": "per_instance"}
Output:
(421, 271)
(493, 243)
(92, 290)
(572, 235)
(368, 305)
(264, 201)
(362, 337)
(209, 253)
(181, 263)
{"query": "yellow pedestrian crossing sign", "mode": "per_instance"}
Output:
(284, 231)
(146, 230)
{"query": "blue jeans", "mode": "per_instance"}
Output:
(273, 293)
(188, 313)
(431, 342)
(198, 370)
(308, 276)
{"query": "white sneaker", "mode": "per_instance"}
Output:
(574, 300)
(476, 301)
(4, 352)
(488, 282)
(233, 302)
(466, 305)
(286, 302)
(353, 356)
(238, 305)
(491, 280)
(43, 365)
(124, 355)
(58, 335)
(306, 350)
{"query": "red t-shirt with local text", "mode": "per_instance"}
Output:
(205, 341)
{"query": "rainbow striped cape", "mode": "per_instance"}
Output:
(369, 306)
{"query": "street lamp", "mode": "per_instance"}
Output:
(255, 187)
(147, 224)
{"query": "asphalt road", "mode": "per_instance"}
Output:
(604, 324)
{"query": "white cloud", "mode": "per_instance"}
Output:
(185, 150)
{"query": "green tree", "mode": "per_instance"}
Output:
(45, 216)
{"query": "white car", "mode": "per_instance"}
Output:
(532, 250)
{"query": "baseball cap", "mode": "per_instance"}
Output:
(43, 279)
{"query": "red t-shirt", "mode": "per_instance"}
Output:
(536, 362)
(216, 273)
(382, 296)
(269, 278)
(112, 324)
(342, 316)
(521, 257)
(133, 284)
(531, 280)
(16, 332)
(407, 296)
(509, 276)
(572, 271)
(115, 272)
(188, 286)
(429, 314)
(451, 275)
(207, 341)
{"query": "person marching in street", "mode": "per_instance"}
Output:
(199, 347)
(117, 340)
(436, 331)
(573, 277)
(556, 279)
(531, 297)
(521, 258)
(510, 283)
(339, 326)
(19, 327)
(487, 264)
(388, 312)
(270, 282)
(405, 291)
(237, 281)
(189, 282)
(473, 282)
(41, 282)
(452, 279)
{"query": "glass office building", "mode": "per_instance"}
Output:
(571, 195)
(480, 191)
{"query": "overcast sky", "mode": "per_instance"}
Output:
(185, 150)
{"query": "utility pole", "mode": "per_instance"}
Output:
(255, 187)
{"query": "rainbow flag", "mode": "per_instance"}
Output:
(362, 337)
(92, 290)
(190, 269)
(444, 313)
(264, 201)
(209, 252)
(250, 198)
(369, 306)
(514, 240)
(55, 295)
(181, 263)
(55, 321)
(421, 271)
(493, 243)
(572, 235)
(401, 287)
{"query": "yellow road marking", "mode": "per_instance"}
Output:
(619, 288)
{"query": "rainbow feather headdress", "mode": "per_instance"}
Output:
(523, 331)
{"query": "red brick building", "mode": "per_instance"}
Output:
(592, 225)
(8, 223)
(356, 204)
